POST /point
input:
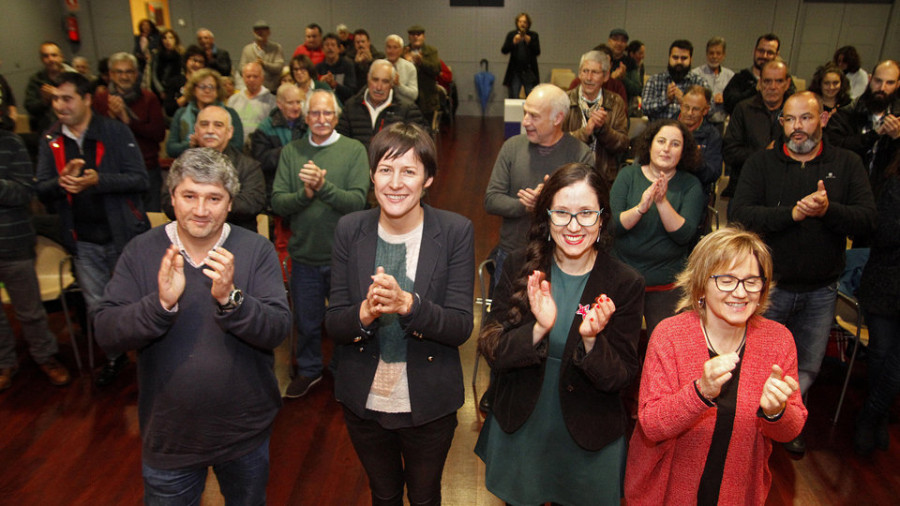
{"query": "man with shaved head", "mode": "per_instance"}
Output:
(254, 103)
(804, 197)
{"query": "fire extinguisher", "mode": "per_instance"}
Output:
(72, 28)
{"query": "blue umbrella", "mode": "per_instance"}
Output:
(484, 83)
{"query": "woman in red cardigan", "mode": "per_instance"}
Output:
(719, 383)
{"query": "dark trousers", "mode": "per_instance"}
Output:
(412, 456)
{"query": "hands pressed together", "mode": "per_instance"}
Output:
(814, 205)
(384, 297)
(74, 180)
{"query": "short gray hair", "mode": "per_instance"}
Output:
(386, 63)
(396, 38)
(123, 56)
(284, 89)
(205, 166)
(337, 104)
(595, 56)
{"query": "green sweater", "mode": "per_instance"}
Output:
(658, 255)
(313, 220)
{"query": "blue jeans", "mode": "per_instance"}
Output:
(94, 265)
(809, 316)
(309, 289)
(883, 363)
(242, 481)
(25, 294)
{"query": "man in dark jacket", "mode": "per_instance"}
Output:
(376, 107)
(870, 127)
(17, 268)
(804, 197)
(284, 124)
(754, 125)
(90, 171)
(125, 101)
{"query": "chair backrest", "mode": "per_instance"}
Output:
(157, 219)
(262, 225)
(562, 78)
(47, 266)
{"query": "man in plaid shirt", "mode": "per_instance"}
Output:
(664, 91)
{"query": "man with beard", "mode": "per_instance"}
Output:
(214, 130)
(870, 127)
(125, 101)
(743, 85)
(664, 91)
(596, 118)
(320, 178)
(804, 197)
(754, 125)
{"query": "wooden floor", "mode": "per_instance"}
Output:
(79, 445)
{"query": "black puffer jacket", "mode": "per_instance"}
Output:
(356, 122)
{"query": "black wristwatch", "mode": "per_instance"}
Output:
(235, 298)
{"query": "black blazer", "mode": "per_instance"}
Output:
(440, 321)
(589, 383)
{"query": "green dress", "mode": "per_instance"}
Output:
(541, 462)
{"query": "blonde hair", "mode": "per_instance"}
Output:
(718, 251)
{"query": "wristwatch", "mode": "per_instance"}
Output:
(235, 298)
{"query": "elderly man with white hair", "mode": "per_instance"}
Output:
(525, 160)
(377, 107)
(406, 83)
(320, 178)
(598, 119)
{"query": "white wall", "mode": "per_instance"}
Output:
(465, 35)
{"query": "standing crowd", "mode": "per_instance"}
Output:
(603, 233)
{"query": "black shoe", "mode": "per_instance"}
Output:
(111, 370)
(300, 386)
(796, 446)
(484, 405)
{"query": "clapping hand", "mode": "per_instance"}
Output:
(171, 277)
(716, 372)
(543, 307)
(776, 391)
(595, 320)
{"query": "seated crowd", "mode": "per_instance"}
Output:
(600, 232)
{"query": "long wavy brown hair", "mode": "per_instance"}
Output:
(539, 249)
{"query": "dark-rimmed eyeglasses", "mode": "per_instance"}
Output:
(584, 218)
(729, 283)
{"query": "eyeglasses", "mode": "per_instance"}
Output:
(729, 283)
(324, 114)
(206, 87)
(585, 218)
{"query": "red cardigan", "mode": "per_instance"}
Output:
(671, 440)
